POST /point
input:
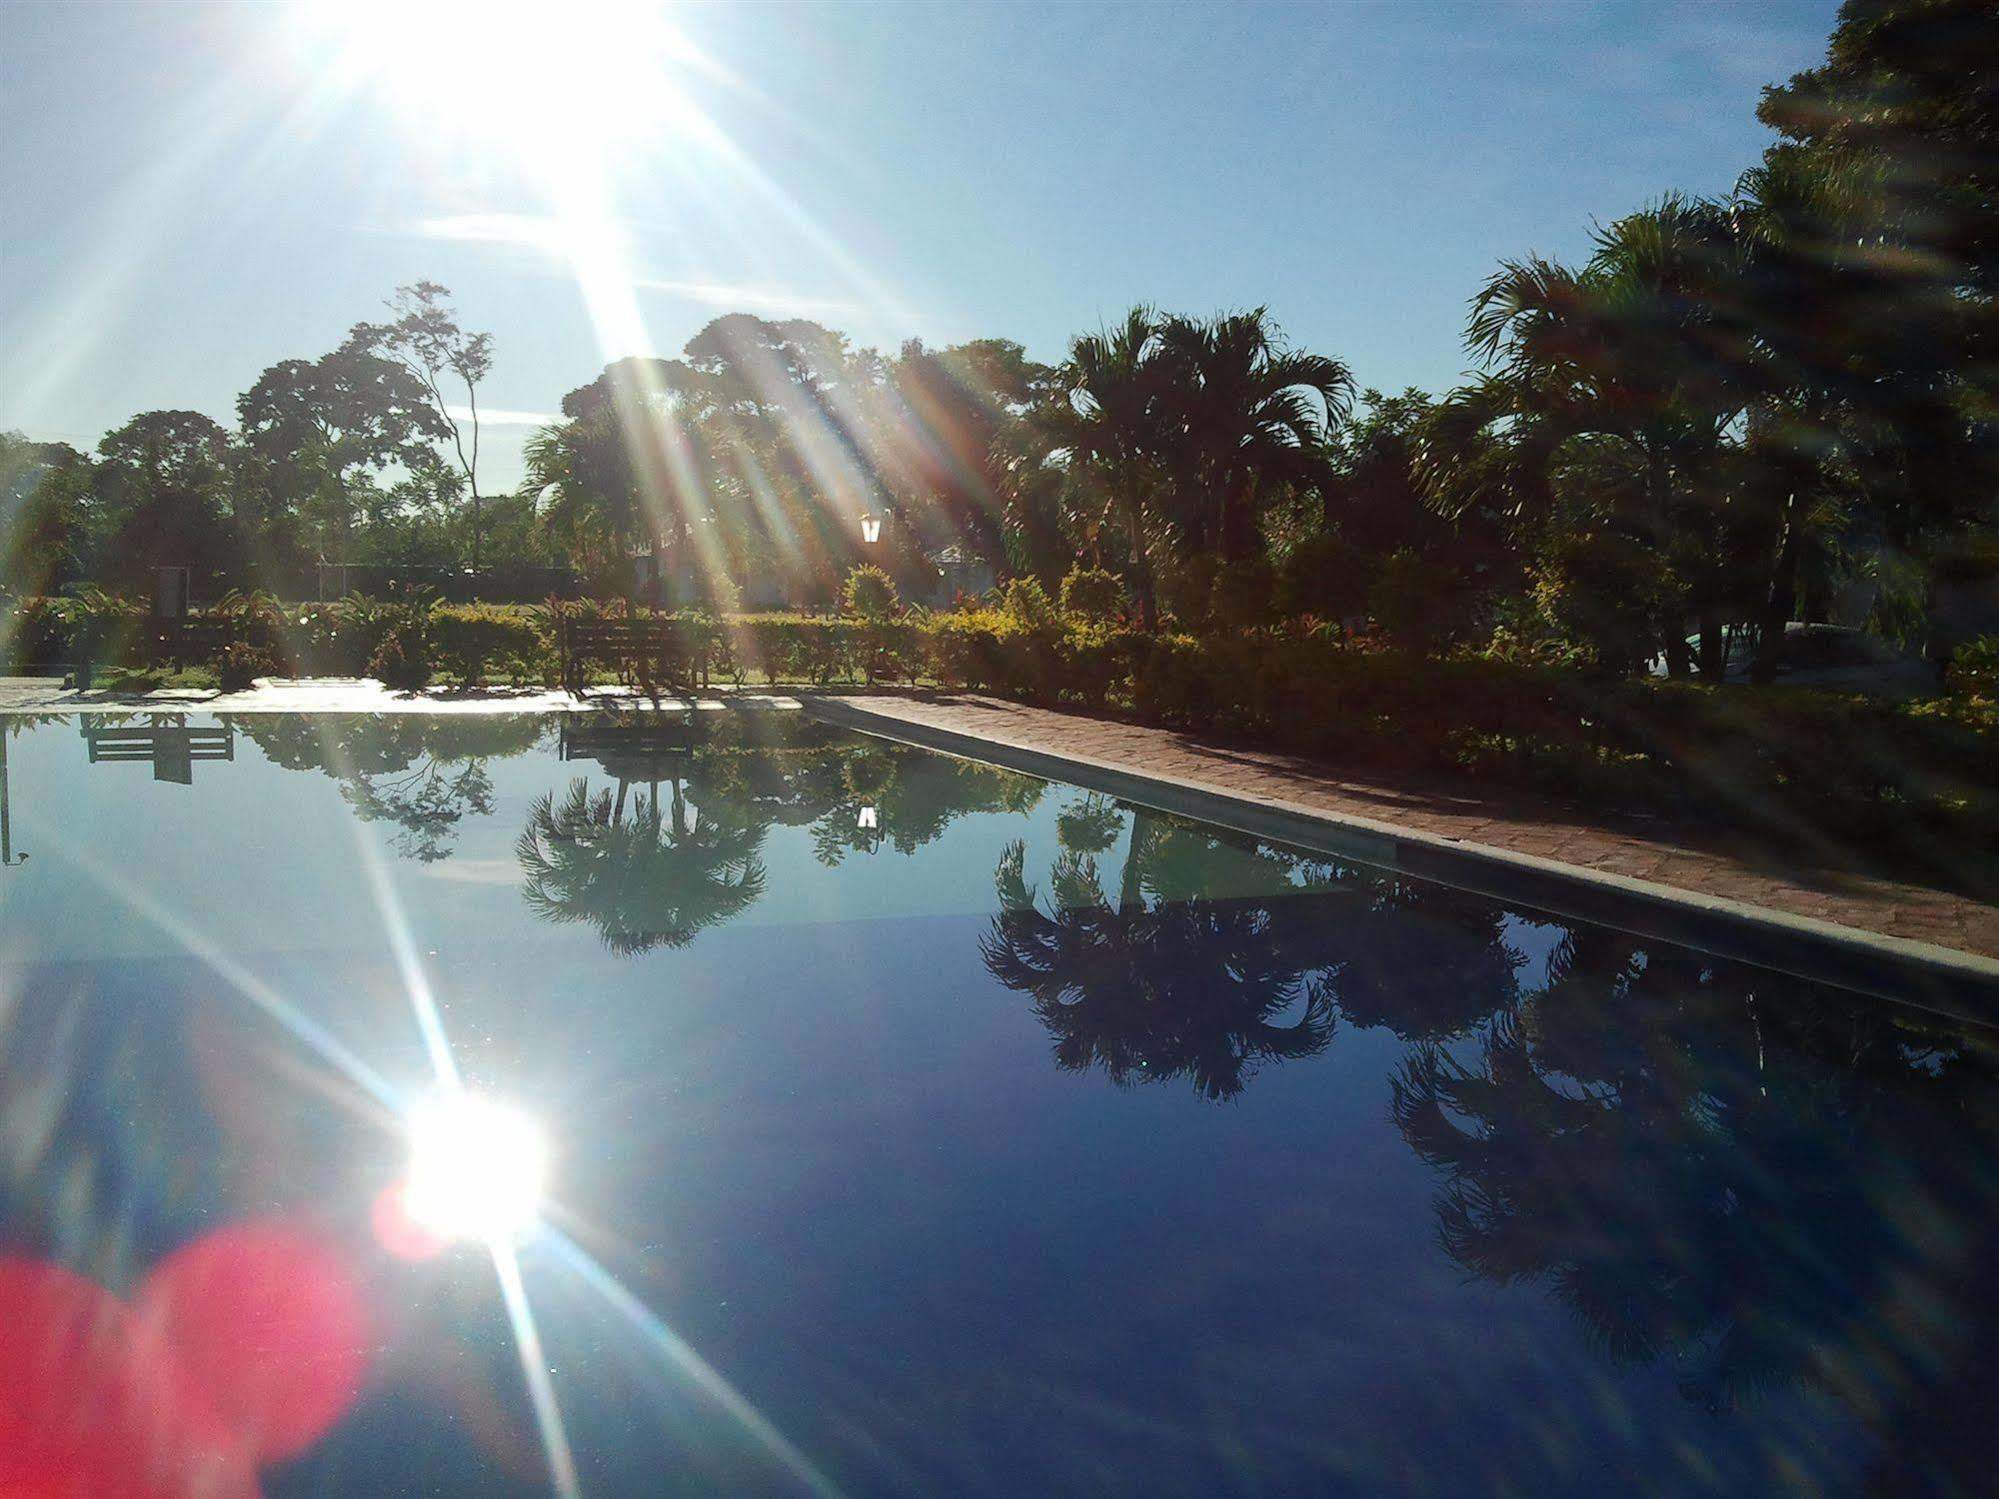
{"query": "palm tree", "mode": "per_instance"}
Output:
(581, 470)
(1864, 336)
(649, 880)
(1105, 422)
(1639, 363)
(1249, 418)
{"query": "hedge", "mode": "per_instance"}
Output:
(1757, 752)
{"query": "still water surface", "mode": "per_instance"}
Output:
(919, 1127)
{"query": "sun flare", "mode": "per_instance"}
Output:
(477, 1169)
(532, 82)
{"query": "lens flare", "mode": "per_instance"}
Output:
(522, 79)
(477, 1169)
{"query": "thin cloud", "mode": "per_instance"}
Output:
(474, 871)
(525, 231)
(746, 298)
(500, 416)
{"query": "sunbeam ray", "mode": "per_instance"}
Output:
(309, 1032)
(534, 1369)
(680, 1355)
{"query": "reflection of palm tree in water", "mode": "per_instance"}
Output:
(1190, 987)
(1716, 1167)
(651, 877)
(1212, 939)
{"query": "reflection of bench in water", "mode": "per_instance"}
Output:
(172, 747)
(650, 751)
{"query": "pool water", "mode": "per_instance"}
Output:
(918, 1127)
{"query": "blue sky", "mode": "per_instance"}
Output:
(190, 193)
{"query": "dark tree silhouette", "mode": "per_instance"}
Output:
(648, 878)
(425, 776)
(1715, 1168)
(1202, 988)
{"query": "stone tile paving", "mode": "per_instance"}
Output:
(1821, 881)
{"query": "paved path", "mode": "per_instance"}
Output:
(1818, 884)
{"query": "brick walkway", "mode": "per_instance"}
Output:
(1824, 882)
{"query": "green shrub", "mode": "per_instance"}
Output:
(1187, 590)
(793, 647)
(1093, 662)
(102, 629)
(1173, 684)
(1093, 595)
(333, 639)
(970, 648)
(402, 662)
(1416, 604)
(1027, 604)
(887, 650)
(1974, 669)
(239, 663)
(1324, 576)
(1242, 595)
(402, 656)
(472, 641)
(36, 633)
(869, 593)
(1607, 594)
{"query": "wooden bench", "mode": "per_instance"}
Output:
(648, 652)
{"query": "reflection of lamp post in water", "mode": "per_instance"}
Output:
(871, 528)
(869, 822)
(7, 856)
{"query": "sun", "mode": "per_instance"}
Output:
(538, 84)
(477, 1169)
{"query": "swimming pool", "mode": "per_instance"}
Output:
(915, 1126)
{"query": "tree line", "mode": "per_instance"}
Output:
(1733, 413)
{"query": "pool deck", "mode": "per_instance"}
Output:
(1717, 887)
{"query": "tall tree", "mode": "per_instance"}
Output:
(44, 503)
(934, 440)
(1875, 222)
(1631, 373)
(1102, 428)
(425, 338)
(322, 428)
(159, 496)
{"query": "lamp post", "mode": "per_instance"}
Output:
(871, 527)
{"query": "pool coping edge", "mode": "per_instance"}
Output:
(1943, 980)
